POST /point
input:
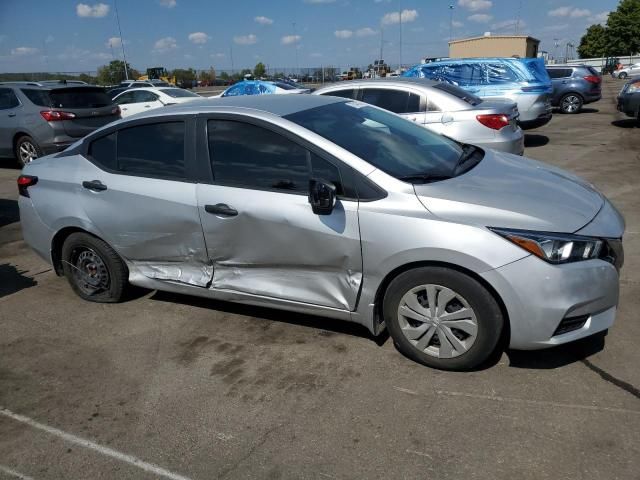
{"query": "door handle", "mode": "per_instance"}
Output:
(95, 185)
(147, 106)
(12, 114)
(221, 209)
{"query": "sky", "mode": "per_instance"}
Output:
(73, 36)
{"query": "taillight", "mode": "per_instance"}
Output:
(25, 181)
(593, 79)
(494, 121)
(55, 116)
(116, 110)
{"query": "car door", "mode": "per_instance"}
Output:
(138, 194)
(261, 234)
(401, 101)
(634, 69)
(9, 105)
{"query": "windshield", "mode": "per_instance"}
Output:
(178, 92)
(394, 145)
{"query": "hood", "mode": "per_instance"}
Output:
(508, 191)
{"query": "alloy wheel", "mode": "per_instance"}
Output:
(437, 321)
(570, 104)
(89, 271)
(27, 152)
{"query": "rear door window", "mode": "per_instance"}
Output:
(8, 99)
(560, 72)
(396, 101)
(125, 98)
(79, 98)
(152, 150)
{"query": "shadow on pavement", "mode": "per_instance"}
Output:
(532, 140)
(12, 281)
(9, 212)
(626, 123)
(326, 326)
(557, 356)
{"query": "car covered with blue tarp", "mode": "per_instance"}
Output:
(523, 80)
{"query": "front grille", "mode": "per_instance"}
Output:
(613, 252)
(570, 324)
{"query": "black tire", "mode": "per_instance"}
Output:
(571, 103)
(28, 143)
(85, 253)
(623, 75)
(490, 321)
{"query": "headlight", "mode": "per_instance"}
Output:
(634, 87)
(552, 247)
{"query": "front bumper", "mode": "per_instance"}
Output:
(539, 295)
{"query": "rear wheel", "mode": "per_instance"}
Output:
(94, 270)
(26, 150)
(571, 103)
(442, 318)
(622, 75)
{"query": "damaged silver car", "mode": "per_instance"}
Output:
(335, 208)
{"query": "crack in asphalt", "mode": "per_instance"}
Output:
(607, 377)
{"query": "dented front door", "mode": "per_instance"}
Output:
(271, 244)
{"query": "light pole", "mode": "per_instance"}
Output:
(126, 70)
(400, 19)
(295, 46)
(451, 7)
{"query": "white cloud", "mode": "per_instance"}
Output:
(114, 42)
(168, 3)
(245, 39)
(480, 18)
(165, 44)
(600, 18)
(394, 17)
(263, 20)
(290, 39)
(95, 11)
(457, 24)
(199, 38)
(365, 32)
(318, 2)
(22, 51)
(569, 11)
(217, 55)
(475, 5)
(343, 34)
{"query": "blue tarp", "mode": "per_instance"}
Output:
(250, 87)
(488, 76)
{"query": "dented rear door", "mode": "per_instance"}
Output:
(261, 233)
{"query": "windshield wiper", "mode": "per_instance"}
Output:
(423, 178)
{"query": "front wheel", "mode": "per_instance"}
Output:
(571, 103)
(622, 75)
(442, 318)
(94, 270)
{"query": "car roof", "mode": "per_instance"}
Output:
(423, 82)
(280, 105)
(149, 89)
(48, 87)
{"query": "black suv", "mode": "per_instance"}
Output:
(574, 86)
(629, 99)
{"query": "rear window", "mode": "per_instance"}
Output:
(460, 93)
(593, 71)
(37, 97)
(178, 92)
(79, 98)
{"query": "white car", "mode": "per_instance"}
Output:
(148, 98)
(630, 71)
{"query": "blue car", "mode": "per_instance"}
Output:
(523, 80)
(261, 87)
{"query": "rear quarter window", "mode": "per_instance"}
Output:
(37, 97)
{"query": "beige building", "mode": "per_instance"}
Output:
(494, 46)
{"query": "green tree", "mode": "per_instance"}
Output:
(594, 42)
(114, 73)
(623, 29)
(259, 70)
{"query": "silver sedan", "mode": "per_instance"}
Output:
(442, 108)
(336, 208)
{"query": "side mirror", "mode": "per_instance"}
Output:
(446, 118)
(322, 196)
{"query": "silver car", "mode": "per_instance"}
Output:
(442, 108)
(630, 71)
(336, 208)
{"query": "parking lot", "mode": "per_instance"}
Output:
(169, 386)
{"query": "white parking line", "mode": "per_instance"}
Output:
(109, 452)
(13, 473)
